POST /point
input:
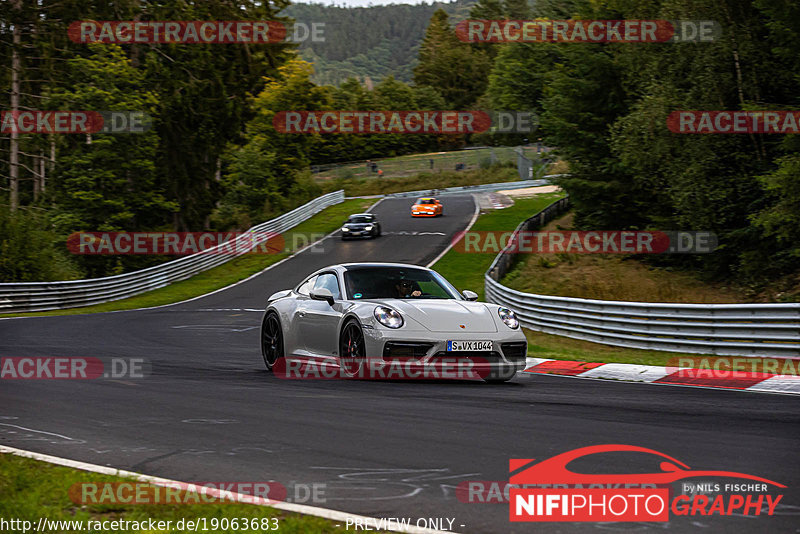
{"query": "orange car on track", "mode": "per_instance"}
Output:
(427, 207)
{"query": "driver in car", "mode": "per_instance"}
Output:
(407, 288)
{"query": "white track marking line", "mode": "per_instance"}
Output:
(452, 243)
(39, 431)
(333, 515)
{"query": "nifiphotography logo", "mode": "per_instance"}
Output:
(549, 491)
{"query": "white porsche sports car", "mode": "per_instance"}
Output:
(348, 316)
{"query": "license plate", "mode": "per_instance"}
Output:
(355, 233)
(459, 346)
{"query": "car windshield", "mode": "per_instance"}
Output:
(359, 219)
(397, 282)
(426, 201)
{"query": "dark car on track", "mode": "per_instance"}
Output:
(361, 225)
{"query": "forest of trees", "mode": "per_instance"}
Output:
(368, 43)
(166, 178)
(214, 160)
(604, 106)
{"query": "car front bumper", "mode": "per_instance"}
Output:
(357, 235)
(506, 357)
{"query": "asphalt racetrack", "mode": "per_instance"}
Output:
(209, 411)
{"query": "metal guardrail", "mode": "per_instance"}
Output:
(16, 297)
(481, 188)
(42, 296)
(529, 169)
(763, 330)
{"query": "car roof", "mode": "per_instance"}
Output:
(346, 266)
(341, 268)
(427, 198)
(370, 215)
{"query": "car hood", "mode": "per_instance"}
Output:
(447, 315)
(357, 226)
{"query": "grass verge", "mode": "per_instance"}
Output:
(30, 490)
(431, 162)
(466, 270)
(425, 180)
(228, 273)
(611, 277)
(541, 345)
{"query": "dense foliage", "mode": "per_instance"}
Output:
(214, 160)
(605, 107)
(368, 43)
(197, 94)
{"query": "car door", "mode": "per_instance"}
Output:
(294, 330)
(319, 321)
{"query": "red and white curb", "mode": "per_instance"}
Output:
(675, 376)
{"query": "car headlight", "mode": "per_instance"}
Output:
(345, 229)
(368, 228)
(508, 317)
(388, 317)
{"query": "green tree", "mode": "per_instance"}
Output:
(30, 251)
(457, 70)
(265, 175)
(108, 181)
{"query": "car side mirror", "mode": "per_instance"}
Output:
(322, 293)
(470, 295)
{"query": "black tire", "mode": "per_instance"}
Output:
(352, 354)
(498, 376)
(272, 348)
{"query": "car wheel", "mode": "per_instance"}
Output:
(498, 376)
(352, 355)
(271, 340)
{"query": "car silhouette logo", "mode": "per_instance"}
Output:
(462, 326)
(554, 470)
